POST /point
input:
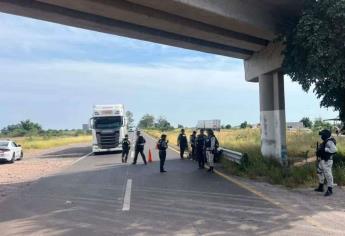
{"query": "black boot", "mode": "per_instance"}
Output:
(329, 192)
(319, 189)
(211, 169)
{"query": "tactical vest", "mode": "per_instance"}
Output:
(326, 155)
(183, 140)
(125, 143)
(200, 141)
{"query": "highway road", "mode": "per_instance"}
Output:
(98, 195)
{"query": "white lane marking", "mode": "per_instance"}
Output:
(127, 198)
(82, 158)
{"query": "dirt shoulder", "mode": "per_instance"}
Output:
(311, 207)
(36, 164)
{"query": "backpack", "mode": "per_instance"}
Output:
(159, 145)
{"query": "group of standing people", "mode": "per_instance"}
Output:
(140, 141)
(203, 147)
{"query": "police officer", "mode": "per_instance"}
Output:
(139, 148)
(325, 154)
(126, 145)
(210, 145)
(192, 141)
(182, 142)
(162, 146)
(200, 149)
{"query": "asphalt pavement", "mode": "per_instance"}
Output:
(99, 195)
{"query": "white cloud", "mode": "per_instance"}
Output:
(152, 76)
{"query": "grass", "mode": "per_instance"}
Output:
(44, 142)
(300, 145)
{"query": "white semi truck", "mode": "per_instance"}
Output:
(208, 124)
(109, 126)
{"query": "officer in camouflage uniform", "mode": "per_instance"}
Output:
(210, 145)
(325, 154)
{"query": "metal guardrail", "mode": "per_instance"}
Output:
(232, 155)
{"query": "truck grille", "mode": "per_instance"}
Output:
(108, 140)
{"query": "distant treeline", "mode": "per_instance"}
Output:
(28, 128)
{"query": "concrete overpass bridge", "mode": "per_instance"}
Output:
(241, 29)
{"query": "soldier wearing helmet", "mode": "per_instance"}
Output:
(325, 154)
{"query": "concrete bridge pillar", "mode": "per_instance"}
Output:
(272, 116)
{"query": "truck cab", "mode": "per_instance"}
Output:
(109, 126)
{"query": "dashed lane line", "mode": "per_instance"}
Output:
(81, 158)
(127, 198)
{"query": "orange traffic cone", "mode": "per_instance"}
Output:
(150, 156)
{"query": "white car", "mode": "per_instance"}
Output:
(10, 151)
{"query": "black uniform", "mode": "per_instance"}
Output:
(183, 143)
(200, 149)
(126, 145)
(162, 147)
(192, 141)
(139, 148)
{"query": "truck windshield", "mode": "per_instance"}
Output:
(108, 122)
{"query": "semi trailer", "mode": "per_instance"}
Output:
(109, 126)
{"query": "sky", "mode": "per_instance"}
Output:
(53, 74)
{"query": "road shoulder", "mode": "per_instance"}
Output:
(37, 164)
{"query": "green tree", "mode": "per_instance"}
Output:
(244, 125)
(147, 121)
(163, 125)
(307, 122)
(180, 126)
(228, 126)
(319, 124)
(130, 119)
(23, 128)
(315, 49)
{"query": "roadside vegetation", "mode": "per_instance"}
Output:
(314, 51)
(150, 122)
(31, 136)
(45, 142)
(301, 147)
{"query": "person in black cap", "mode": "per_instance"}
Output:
(126, 145)
(200, 149)
(162, 146)
(182, 142)
(139, 148)
(325, 154)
